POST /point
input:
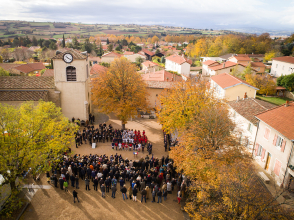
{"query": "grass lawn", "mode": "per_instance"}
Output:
(274, 100)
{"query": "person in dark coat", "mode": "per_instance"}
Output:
(135, 191)
(143, 193)
(103, 190)
(72, 179)
(77, 182)
(113, 190)
(87, 182)
(55, 180)
(61, 181)
(108, 183)
(159, 194)
(95, 183)
(75, 195)
(124, 192)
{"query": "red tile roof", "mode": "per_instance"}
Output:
(98, 59)
(226, 80)
(8, 66)
(30, 67)
(280, 119)
(250, 107)
(223, 65)
(149, 64)
(286, 59)
(23, 95)
(209, 62)
(148, 52)
(26, 82)
(161, 76)
(257, 64)
(179, 59)
(112, 54)
(159, 85)
(48, 72)
(96, 69)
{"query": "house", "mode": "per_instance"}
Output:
(94, 60)
(282, 66)
(226, 56)
(154, 89)
(147, 53)
(256, 57)
(30, 68)
(134, 56)
(96, 69)
(240, 59)
(242, 113)
(161, 76)
(206, 64)
(274, 143)
(10, 67)
(259, 66)
(230, 87)
(109, 57)
(150, 66)
(217, 59)
(128, 53)
(103, 40)
(178, 64)
(226, 67)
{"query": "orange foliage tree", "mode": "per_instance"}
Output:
(265, 84)
(223, 183)
(120, 90)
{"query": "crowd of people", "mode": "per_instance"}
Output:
(151, 177)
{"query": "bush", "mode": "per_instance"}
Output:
(287, 82)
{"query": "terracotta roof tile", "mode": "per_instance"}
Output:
(128, 53)
(209, 62)
(280, 119)
(96, 69)
(179, 59)
(250, 107)
(26, 82)
(8, 66)
(223, 65)
(226, 80)
(149, 64)
(148, 52)
(75, 53)
(257, 64)
(48, 72)
(286, 59)
(30, 67)
(23, 95)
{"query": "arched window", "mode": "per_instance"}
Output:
(71, 73)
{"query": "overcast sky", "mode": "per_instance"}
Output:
(223, 14)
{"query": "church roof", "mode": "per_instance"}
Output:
(26, 82)
(23, 95)
(75, 53)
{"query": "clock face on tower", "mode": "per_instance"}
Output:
(67, 58)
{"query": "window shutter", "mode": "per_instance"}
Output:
(283, 145)
(275, 140)
(256, 148)
(277, 167)
(266, 133)
(263, 153)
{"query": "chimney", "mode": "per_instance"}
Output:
(287, 103)
(245, 96)
(238, 98)
(224, 63)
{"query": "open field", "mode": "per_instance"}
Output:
(11, 29)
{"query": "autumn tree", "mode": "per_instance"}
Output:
(154, 39)
(3, 72)
(120, 90)
(31, 138)
(264, 83)
(221, 174)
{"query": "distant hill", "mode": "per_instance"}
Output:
(11, 29)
